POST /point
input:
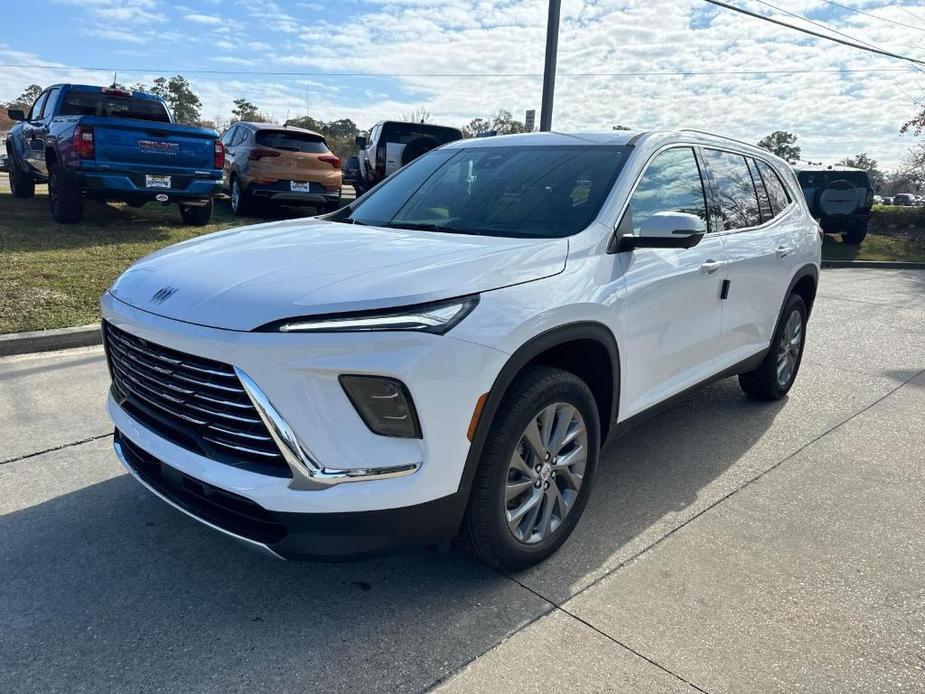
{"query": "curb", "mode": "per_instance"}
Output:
(882, 264)
(50, 340)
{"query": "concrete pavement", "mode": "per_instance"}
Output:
(729, 546)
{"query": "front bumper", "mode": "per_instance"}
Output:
(299, 375)
(313, 536)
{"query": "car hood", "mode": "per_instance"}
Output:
(242, 278)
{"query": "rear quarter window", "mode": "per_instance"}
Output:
(291, 142)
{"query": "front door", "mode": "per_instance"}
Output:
(673, 307)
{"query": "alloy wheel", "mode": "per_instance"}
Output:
(545, 472)
(791, 342)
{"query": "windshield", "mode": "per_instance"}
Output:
(537, 191)
(99, 104)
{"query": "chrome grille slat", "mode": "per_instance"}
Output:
(244, 449)
(242, 434)
(192, 401)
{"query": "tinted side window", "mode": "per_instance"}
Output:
(239, 136)
(36, 112)
(764, 203)
(672, 183)
(732, 184)
(49, 106)
(776, 191)
(229, 136)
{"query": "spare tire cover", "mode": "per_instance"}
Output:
(840, 197)
(417, 147)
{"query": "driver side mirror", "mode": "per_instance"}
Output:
(16, 114)
(666, 230)
(361, 141)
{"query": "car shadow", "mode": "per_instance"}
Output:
(109, 587)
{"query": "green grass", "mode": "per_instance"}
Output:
(876, 247)
(52, 275)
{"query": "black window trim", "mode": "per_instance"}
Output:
(777, 217)
(43, 97)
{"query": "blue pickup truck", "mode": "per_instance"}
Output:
(103, 143)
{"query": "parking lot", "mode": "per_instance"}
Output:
(729, 545)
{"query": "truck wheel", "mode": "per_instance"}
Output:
(197, 216)
(857, 234)
(22, 184)
(536, 471)
(64, 199)
(241, 202)
(777, 372)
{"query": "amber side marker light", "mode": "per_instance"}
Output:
(476, 414)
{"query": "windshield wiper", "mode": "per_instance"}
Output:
(429, 226)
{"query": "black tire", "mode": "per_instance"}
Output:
(857, 234)
(65, 200)
(198, 215)
(22, 183)
(763, 383)
(485, 529)
(241, 201)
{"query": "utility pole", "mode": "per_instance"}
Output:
(549, 71)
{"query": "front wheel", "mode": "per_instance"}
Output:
(198, 215)
(536, 471)
(22, 183)
(776, 374)
(64, 199)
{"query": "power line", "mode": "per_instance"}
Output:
(908, 12)
(876, 16)
(818, 24)
(828, 37)
(660, 73)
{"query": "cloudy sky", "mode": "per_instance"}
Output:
(461, 59)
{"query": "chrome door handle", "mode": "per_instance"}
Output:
(711, 266)
(784, 251)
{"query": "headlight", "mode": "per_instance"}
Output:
(436, 318)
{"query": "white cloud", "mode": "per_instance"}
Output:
(207, 19)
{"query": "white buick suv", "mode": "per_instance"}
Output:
(446, 356)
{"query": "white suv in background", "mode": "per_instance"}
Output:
(447, 354)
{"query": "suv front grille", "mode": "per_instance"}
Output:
(194, 402)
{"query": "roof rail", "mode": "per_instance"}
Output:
(707, 132)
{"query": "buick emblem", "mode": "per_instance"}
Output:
(162, 294)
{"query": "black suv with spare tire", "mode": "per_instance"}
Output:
(840, 198)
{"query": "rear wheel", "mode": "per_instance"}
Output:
(776, 374)
(241, 201)
(22, 184)
(536, 471)
(64, 199)
(857, 234)
(199, 216)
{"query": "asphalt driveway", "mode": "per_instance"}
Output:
(729, 546)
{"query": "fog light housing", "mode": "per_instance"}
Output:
(384, 404)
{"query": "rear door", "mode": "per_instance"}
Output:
(40, 128)
(758, 232)
(673, 306)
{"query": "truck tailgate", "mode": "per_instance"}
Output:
(152, 145)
